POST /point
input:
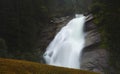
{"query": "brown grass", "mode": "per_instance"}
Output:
(10, 66)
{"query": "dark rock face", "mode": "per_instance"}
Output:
(89, 26)
(91, 34)
(92, 37)
(94, 58)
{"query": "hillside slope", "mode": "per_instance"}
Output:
(10, 66)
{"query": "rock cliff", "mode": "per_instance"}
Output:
(94, 57)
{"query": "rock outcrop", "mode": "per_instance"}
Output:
(94, 58)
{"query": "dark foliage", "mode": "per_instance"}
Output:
(108, 19)
(22, 23)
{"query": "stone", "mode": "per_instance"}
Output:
(95, 60)
(92, 37)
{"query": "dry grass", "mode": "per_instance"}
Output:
(10, 66)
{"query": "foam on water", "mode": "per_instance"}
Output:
(65, 49)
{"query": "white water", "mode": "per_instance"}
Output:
(65, 49)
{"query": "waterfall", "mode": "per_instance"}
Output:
(65, 49)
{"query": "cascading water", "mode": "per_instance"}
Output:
(65, 49)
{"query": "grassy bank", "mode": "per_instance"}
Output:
(10, 66)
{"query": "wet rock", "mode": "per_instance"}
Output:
(95, 60)
(92, 37)
(89, 26)
(59, 20)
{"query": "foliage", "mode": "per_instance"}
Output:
(22, 22)
(107, 19)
